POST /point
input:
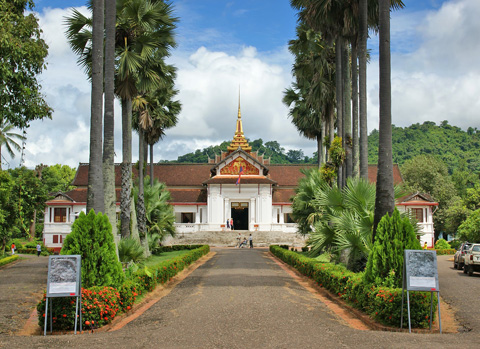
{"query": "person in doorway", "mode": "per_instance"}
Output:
(231, 223)
(39, 250)
(228, 223)
(239, 240)
(250, 240)
(425, 246)
(13, 249)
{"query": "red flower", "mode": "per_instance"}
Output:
(64, 315)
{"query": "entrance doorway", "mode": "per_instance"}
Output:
(240, 215)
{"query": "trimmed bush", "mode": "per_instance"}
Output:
(92, 238)
(9, 259)
(394, 235)
(442, 244)
(446, 252)
(381, 303)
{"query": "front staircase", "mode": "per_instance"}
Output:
(228, 238)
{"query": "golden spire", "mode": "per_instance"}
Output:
(239, 139)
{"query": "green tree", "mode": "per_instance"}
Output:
(58, 178)
(7, 139)
(6, 185)
(428, 174)
(394, 235)
(28, 195)
(469, 230)
(22, 58)
(92, 239)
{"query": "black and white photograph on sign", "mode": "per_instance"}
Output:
(421, 269)
(63, 275)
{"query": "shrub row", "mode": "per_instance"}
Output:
(9, 259)
(46, 251)
(160, 273)
(172, 248)
(449, 251)
(382, 303)
(100, 304)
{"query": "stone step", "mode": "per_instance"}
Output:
(229, 238)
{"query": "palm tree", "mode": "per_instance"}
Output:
(143, 38)
(95, 195)
(165, 112)
(7, 139)
(160, 216)
(385, 201)
(362, 80)
(108, 136)
(311, 98)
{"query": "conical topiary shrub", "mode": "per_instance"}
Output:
(394, 235)
(92, 238)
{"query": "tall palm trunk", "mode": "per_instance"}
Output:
(339, 98)
(126, 190)
(109, 119)
(385, 200)
(145, 156)
(141, 201)
(355, 142)
(347, 113)
(320, 146)
(331, 126)
(151, 165)
(95, 177)
(363, 35)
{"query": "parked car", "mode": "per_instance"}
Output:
(472, 260)
(459, 257)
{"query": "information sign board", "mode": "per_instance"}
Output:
(64, 276)
(421, 272)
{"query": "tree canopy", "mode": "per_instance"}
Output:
(22, 57)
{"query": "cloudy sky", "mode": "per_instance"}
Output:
(224, 45)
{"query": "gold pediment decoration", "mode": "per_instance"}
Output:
(233, 168)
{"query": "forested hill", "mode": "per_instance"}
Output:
(270, 149)
(455, 147)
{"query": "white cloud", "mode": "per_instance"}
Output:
(435, 77)
(439, 80)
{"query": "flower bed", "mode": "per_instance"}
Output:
(449, 251)
(100, 304)
(382, 303)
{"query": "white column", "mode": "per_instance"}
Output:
(282, 220)
(226, 210)
(252, 211)
(197, 216)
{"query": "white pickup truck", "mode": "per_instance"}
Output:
(472, 260)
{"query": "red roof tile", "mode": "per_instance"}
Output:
(282, 195)
(244, 180)
(188, 195)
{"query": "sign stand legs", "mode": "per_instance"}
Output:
(76, 316)
(408, 307)
(46, 318)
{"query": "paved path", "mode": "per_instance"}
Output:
(241, 299)
(21, 285)
(461, 292)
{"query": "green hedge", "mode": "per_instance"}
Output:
(7, 260)
(100, 305)
(45, 251)
(172, 248)
(449, 251)
(382, 303)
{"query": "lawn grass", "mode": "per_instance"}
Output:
(164, 256)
